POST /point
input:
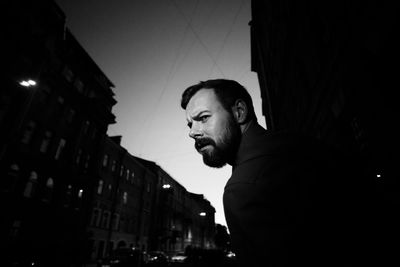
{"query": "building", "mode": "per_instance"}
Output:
(181, 219)
(70, 193)
(55, 109)
(328, 69)
(123, 201)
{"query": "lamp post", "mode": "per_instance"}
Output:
(202, 227)
(27, 83)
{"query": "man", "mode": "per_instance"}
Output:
(290, 200)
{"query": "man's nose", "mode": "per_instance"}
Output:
(195, 131)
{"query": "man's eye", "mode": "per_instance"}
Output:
(204, 118)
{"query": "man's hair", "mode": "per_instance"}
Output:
(227, 92)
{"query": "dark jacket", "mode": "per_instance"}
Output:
(292, 201)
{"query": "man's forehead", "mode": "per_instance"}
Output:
(203, 97)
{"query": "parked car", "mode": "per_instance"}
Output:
(156, 258)
(179, 257)
(124, 257)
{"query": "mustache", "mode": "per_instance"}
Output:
(199, 143)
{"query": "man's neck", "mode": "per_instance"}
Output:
(246, 126)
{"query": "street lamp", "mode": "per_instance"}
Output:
(202, 214)
(27, 83)
(166, 186)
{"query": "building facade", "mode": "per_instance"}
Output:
(55, 109)
(328, 69)
(70, 194)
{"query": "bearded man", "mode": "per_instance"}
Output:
(290, 199)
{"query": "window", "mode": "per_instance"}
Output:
(132, 177)
(87, 162)
(113, 166)
(148, 187)
(95, 219)
(78, 84)
(127, 174)
(115, 222)
(60, 100)
(60, 148)
(100, 187)
(70, 115)
(122, 170)
(15, 229)
(105, 220)
(48, 191)
(105, 160)
(28, 133)
(11, 178)
(80, 193)
(86, 127)
(68, 196)
(44, 146)
(67, 73)
(78, 156)
(30, 187)
(125, 198)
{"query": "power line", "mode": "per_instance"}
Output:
(198, 37)
(228, 34)
(169, 76)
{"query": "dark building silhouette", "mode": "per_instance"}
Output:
(181, 219)
(70, 193)
(123, 201)
(55, 109)
(329, 69)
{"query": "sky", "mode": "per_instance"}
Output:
(152, 50)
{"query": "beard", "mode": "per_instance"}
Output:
(225, 150)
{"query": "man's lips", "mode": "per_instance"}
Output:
(202, 144)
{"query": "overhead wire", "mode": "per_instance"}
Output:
(198, 37)
(227, 35)
(191, 45)
(169, 76)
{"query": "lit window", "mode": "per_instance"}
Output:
(125, 198)
(30, 186)
(105, 160)
(60, 148)
(100, 187)
(127, 174)
(132, 177)
(121, 171)
(45, 142)
(80, 193)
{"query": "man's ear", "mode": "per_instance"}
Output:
(240, 111)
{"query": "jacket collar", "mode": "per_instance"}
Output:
(251, 144)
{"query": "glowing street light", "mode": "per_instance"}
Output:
(202, 214)
(166, 186)
(28, 83)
